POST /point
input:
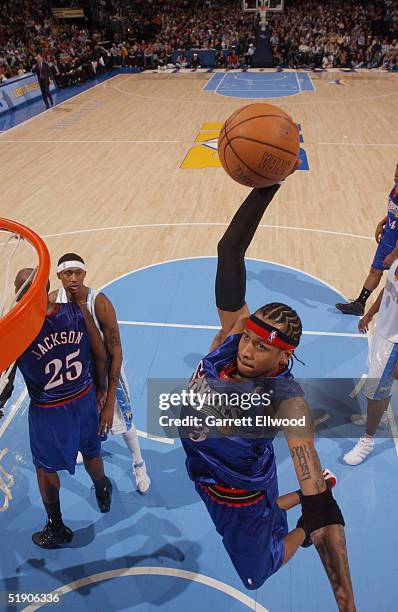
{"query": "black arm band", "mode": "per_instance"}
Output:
(320, 510)
(231, 271)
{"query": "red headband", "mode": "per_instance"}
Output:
(270, 334)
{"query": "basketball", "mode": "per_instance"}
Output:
(259, 145)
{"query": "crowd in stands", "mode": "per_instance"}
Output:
(27, 27)
(147, 33)
(341, 34)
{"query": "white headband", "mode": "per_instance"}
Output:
(70, 264)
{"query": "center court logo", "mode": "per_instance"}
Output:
(204, 154)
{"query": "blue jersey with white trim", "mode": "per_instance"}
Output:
(390, 235)
(240, 461)
(57, 365)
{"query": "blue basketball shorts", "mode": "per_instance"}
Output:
(252, 533)
(57, 433)
(384, 248)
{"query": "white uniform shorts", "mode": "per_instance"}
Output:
(122, 416)
(382, 359)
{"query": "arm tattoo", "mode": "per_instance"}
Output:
(305, 456)
(302, 454)
(114, 338)
(333, 553)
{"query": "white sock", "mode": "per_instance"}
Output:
(132, 443)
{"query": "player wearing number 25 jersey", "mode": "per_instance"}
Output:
(63, 413)
(56, 366)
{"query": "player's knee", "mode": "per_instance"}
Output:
(376, 273)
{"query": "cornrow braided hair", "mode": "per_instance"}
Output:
(284, 315)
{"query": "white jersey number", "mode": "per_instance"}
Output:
(54, 367)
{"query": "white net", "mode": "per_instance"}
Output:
(263, 18)
(16, 254)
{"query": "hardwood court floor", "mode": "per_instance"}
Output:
(110, 158)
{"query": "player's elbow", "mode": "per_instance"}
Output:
(229, 247)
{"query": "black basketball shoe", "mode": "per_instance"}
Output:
(52, 537)
(352, 308)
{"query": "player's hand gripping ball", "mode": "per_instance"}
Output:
(259, 145)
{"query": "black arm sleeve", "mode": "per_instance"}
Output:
(9, 388)
(231, 270)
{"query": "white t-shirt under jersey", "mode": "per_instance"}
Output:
(387, 318)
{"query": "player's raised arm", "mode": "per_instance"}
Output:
(231, 269)
(322, 517)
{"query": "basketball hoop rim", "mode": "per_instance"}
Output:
(28, 302)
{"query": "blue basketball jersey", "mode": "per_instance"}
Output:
(57, 365)
(240, 461)
(390, 235)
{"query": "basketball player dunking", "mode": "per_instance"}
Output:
(71, 272)
(236, 475)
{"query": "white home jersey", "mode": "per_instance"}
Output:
(387, 318)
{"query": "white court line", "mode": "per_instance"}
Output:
(312, 82)
(52, 142)
(144, 434)
(215, 90)
(248, 76)
(355, 144)
(298, 83)
(160, 263)
(204, 224)
(189, 142)
(13, 410)
(251, 603)
(358, 386)
(218, 327)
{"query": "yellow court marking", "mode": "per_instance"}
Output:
(201, 156)
(211, 125)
